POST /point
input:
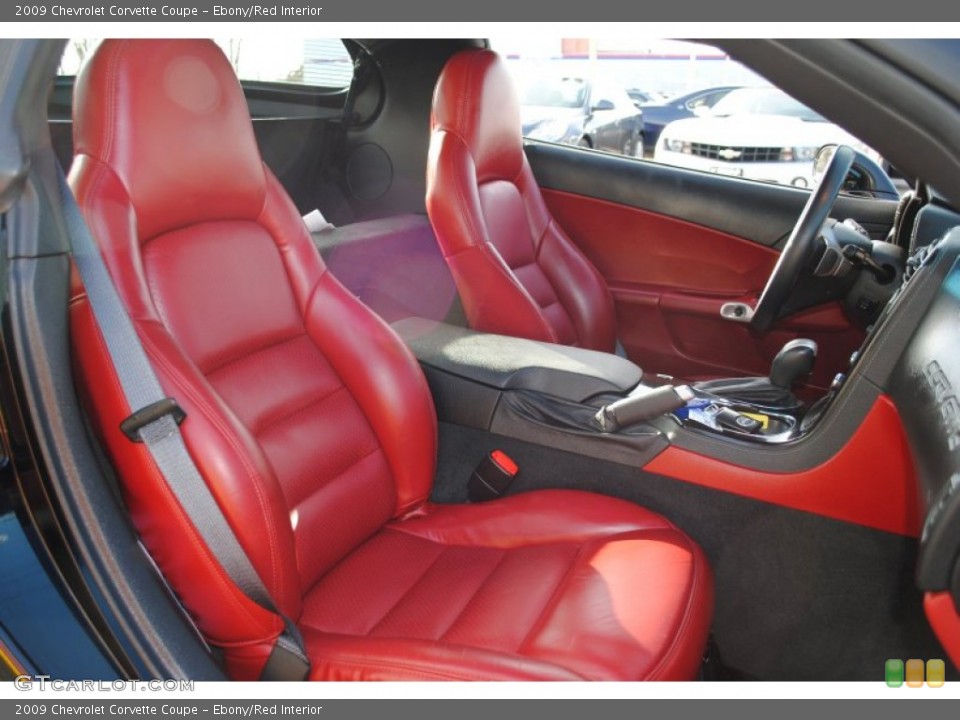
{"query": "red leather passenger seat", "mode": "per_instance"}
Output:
(516, 270)
(314, 428)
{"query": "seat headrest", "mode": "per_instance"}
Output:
(475, 99)
(170, 120)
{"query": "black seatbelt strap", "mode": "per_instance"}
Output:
(155, 422)
(334, 157)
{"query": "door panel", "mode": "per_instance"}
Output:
(674, 248)
(637, 247)
(759, 212)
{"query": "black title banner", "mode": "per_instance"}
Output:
(206, 12)
(742, 13)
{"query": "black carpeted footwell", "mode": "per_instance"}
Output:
(799, 596)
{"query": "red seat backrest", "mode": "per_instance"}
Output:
(307, 417)
(517, 271)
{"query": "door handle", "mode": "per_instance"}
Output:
(736, 311)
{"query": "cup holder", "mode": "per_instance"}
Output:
(739, 420)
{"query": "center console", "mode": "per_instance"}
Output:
(593, 403)
(539, 392)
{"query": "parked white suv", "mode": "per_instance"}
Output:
(759, 133)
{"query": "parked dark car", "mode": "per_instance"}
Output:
(658, 115)
(575, 109)
(808, 532)
(645, 97)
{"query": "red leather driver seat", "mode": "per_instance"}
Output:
(314, 428)
(516, 270)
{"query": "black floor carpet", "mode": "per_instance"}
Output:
(799, 596)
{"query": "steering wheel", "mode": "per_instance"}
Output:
(801, 241)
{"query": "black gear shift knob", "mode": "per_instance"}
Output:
(794, 360)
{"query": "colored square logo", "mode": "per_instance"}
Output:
(914, 673)
(936, 673)
(893, 672)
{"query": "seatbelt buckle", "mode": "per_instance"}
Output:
(154, 411)
(492, 477)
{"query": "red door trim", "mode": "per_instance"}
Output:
(871, 481)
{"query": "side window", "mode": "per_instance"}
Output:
(75, 54)
(320, 63)
(715, 115)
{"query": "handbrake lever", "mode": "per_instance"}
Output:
(641, 407)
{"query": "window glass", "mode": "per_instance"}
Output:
(75, 54)
(682, 103)
(323, 63)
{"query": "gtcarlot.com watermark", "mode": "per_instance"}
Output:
(43, 683)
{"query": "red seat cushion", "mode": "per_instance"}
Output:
(549, 585)
(313, 426)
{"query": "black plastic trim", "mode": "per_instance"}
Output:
(925, 384)
(460, 401)
(769, 211)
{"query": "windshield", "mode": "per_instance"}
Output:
(552, 91)
(763, 101)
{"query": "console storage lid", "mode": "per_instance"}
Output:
(509, 363)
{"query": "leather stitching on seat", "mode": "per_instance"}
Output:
(112, 103)
(537, 250)
(538, 273)
(282, 248)
(272, 423)
(217, 422)
(498, 264)
(400, 598)
(474, 232)
(353, 463)
(551, 603)
(250, 353)
(363, 662)
(473, 596)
